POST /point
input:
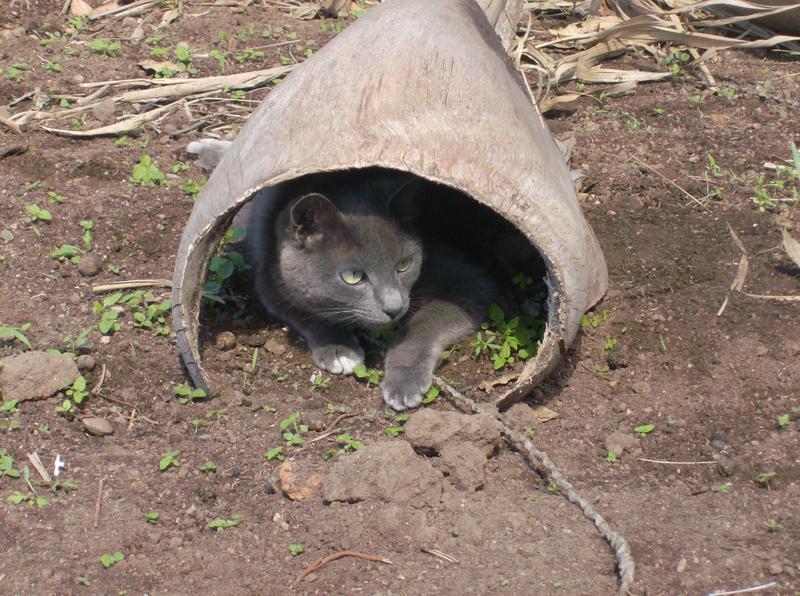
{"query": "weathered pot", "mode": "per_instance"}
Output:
(425, 87)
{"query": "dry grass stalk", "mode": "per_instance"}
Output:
(642, 26)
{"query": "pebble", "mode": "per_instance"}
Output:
(85, 362)
(719, 444)
(761, 351)
(680, 567)
(89, 265)
(99, 427)
(225, 341)
(774, 567)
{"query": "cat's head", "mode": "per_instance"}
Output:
(350, 267)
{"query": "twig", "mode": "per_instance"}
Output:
(344, 553)
(625, 564)
(677, 463)
(98, 502)
(39, 467)
(743, 590)
(439, 554)
(99, 383)
(336, 422)
(672, 182)
(133, 283)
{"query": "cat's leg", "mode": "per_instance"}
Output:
(413, 356)
(451, 299)
(332, 349)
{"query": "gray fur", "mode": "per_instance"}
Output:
(305, 233)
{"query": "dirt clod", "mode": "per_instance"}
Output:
(89, 265)
(85, 362)
(618, 442)
(98, 427)
(297, 481)
(225, 341)
(35, 375)
(464, 463)
(430, 430)
(387, 470)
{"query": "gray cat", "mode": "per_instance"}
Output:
(336, 251)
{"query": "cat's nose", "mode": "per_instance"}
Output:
(392, 311)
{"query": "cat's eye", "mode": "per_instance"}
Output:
(404, 264)
(352, 276)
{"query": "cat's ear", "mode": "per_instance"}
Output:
(314, 216)
(402, 203)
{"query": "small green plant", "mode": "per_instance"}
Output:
(220, 57)
(104, 47)
(192, 188)
(611, 457)
(146, 173)
(151, 517)
(109, 560)
(722, 489)
(108, 313)
(644, 429)
(77, 391)
(7, 464)
(772, 525)
(370, 375)
(50, 66)
(83, 581)
(594, 320)
(507, 341)
(14, 72)
(397, 429)
(675, 60)
(659, 111)
(78, 23)
(431, 395)
(16, 334)
(66, 409)
(346, 443)
(18, 498)
(169, 460)
(296, 549)
(38, 214)
(319, 382)
(219, 524)
(610, 345)
(765, 478)
(292, 429)
(247, 55)
(55, 197)
(208, 467)
(783, 421)
(553, 489)
(276, 453)
(188, 395)
(223, 266)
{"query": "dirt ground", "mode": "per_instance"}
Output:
(722, 392)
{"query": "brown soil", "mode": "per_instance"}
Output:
(713, 386)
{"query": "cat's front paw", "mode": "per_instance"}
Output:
(338, 359)
(405, 388)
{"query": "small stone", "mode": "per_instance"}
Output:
(98, 427)
(85, 362)
(35, 375)
(774, 567)
(761, 351)
(719, 444)
(311, 577)
(680, 567)
(225, 341)
(89, 265)
(618, 442)
(275, 348)
(726, 466)
(298, 483)
(792, 347)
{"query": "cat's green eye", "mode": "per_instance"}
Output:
(404, 264)
(352, 276)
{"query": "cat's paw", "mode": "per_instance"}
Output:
(338, 359)
(405, 389)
